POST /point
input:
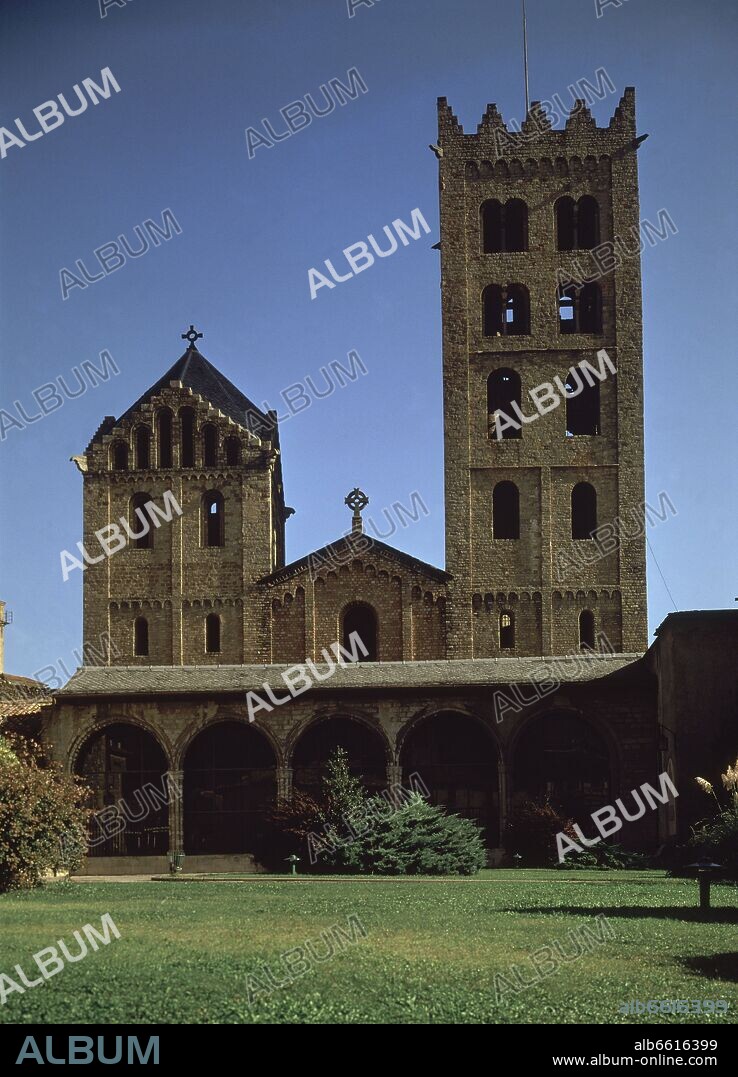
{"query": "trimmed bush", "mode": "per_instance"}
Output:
(40, 807)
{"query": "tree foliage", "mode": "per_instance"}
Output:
(43, 817)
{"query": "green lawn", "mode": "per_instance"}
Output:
(431, 951)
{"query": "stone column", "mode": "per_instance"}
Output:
(502, 793)
(284, 785)
(394, 774)
(175, 786)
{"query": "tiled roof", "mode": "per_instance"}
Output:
(21, 695)
(196, 373)
(457, 673)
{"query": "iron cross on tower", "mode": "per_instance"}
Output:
(192, 335)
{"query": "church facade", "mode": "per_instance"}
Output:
(518, 670)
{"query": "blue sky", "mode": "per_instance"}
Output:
(193, 77)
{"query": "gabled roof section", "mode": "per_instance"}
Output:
(21, 696)
(454, 674)
(195, 372)
(351, 547)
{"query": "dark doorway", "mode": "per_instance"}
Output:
(456, 758)
(125, 767)
(229, 785)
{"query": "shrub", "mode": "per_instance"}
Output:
(531, 833)
(717, 838)
(606, 856)
(43, 819)
(419, 838)
(347, 831)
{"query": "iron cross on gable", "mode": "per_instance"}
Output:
(357, 501)
(192, 335)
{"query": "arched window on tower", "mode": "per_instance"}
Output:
(517, 311)
(361, 618)
(588, 222)
(506, 511)
(212, 633)
(568, 309)
(586, 630)
(492, 311)
(582, 405)
(213, 519)
(590, 309)
(515, 222)
(210, 445)
(580, 309)
(143, 448)
(164, 437)
(503, 391)
(565, 232)
(504, 228)
(233, 451)
(577, 223)
(120, 456)
(140, 637)
(507, 630)
(583, 510)
(139, 522)
(187, 437)
(491, 221)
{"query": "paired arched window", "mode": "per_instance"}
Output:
(580, 309)
(233, 451)
(505, 311)
(582, 405)
(187, 437)
(361, 618)
(140, 637)
(583, 510)
(212, 633)
(504, 227)
(139, 522)
(164, 437)
(213, 519)
(586, 630)
(507, 630)
(143, 448)
(120, 456)
(577, 223)
(210, 445)
(506, 511)
(503, 395)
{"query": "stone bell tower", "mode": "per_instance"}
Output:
(184, 592)
(544, 513)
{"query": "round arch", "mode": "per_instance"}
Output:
(366, 746)
(457, 757)
(125, 765)
(73, 755)
(230, 783)
(567, 759)
(192, 731)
